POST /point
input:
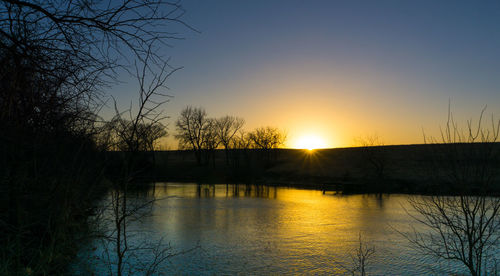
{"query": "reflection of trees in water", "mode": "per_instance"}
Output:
(261, 191)
(205, 190)
(379, 199)
(235, 190)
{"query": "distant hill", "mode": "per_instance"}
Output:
(429, 168)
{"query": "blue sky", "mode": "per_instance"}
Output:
(337, 69)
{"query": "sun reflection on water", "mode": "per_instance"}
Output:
(248, 229)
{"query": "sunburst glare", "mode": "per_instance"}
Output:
(310, 142)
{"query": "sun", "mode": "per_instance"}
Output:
(310, 142)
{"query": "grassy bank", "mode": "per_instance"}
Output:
(423, 169)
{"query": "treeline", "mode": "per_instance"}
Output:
(203, 135)
(56, 58)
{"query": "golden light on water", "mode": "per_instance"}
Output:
(310, 142)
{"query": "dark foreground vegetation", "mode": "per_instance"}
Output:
(56, 59)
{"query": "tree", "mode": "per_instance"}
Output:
(133, 135)
(267, 139)
(362, 257)
(56, 57)
(374, 153)
(210, 140)
(226, 128)
(115, 134)
(191, 127)
(42, 102)
(58, 54)
(465, 227)
(241, 140)
(240, 144)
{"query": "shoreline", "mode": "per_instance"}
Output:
(410, 169)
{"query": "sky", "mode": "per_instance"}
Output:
(338, 70)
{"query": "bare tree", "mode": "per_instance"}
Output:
(61, 52)
(210, 140)
(465, 227)
(56, 57)
(133, 135)
(361, 258)
(113, 135)
(375, 156)
(191, 126)
(240, 145)
(241, 140)
(226, 128)
(267, 138)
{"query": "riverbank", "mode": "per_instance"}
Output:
(424, 169)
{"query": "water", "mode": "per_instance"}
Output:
(229, 229)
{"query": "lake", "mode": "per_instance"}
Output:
(240, 229)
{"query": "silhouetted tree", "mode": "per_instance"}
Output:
(56, 56)
(241, 140)
(133, 136)
(360, 258)
(115, 134)
(210, 140)
(191, 126)
(266, 139)
(466, 227)
(374, 154)
(59, 53)
(240, 145)
(226, 128)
